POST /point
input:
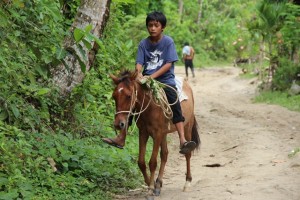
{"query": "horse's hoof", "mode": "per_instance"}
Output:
(187, 186)
(156, 192)
(157, 187)
(186, 189)
(149, 197)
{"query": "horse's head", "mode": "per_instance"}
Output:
(125, 97)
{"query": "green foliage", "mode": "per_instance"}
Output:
(93, 98)
(154, 85)
(290, 32)
(294, 152)
(30, 36)
(69, 9)
(280, 98)
(286, 73)
(277, 25)
(117, 49)
(50, 148)
(84, 40)
(37, 126)
(60, 166)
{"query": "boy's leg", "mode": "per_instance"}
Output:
(180, 129)
(186, 69)
(119, 140)
(178, 119)
(185, 146)
(193, 72)
(192, 68)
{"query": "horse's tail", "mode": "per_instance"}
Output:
(195, 134)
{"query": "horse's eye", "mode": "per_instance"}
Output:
(128, 96)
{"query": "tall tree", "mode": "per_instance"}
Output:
(180, 8)
(200, 11)
(69, 73)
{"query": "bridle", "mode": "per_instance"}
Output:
(163, 103)
(132, 107)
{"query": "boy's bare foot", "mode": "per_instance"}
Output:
(116, 142)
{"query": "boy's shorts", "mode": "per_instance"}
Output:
(188, 63)
(176, 108)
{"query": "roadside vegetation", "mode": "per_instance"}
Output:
(50, 146)
(284, 99)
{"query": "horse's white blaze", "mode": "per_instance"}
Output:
(120, 89)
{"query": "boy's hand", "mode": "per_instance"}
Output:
(143, 79)
(139, 76)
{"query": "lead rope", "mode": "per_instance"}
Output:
(140, 112)
(129, 111)
(161, 101)
(164, 104)
(160, 98)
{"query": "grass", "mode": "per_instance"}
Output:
(248, 75)
(280, 98)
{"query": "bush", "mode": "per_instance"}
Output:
(286, 72)
(61, 166)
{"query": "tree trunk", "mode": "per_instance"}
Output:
(96, 13)
(200, 11)
(180, 9)
(261, 59)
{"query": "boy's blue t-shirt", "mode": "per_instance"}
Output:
(153, 56)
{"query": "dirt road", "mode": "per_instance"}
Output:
(251, 142)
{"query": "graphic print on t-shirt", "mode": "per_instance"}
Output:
(155, 60)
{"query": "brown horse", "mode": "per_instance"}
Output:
(131, 98)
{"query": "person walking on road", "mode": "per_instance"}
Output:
(188, 56)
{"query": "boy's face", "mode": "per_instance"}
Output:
(154, 28)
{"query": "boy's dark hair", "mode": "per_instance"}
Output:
(157, 16)
(186, 44)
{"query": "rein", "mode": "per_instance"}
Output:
(130, 111)
(161, 102)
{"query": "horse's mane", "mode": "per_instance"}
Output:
(126, 76)
(125, 73)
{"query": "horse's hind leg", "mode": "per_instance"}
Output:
(163, 156)
(188, 136)
(188, 177)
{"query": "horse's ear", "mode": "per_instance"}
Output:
(134, 75)
(115, 79)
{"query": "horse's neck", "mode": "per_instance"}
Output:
(145, 103)
(144, 98)
(151, 117)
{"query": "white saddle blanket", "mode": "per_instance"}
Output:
(179, 82)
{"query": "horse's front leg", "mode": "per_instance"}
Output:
(143, 138)
(163, 156)
(153, 163)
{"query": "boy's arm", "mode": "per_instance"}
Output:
(183, 57)
(138, 69)
(184, 54)
(158, 73)
(161, 71)
(192, 52)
